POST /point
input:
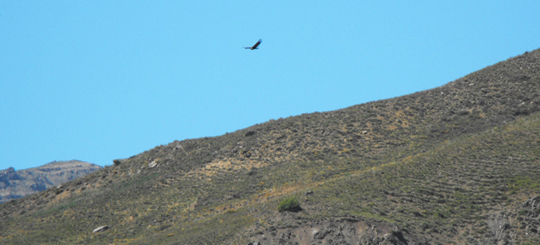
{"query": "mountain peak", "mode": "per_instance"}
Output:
(16, 184)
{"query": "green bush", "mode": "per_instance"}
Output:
(290, 204)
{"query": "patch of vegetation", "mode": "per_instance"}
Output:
(290, 204)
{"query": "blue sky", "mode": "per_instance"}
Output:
(101, 80)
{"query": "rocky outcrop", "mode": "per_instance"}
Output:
(16, 184)
(501, 231)
(339, 231)
(504, 226)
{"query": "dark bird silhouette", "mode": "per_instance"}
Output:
(256, 46)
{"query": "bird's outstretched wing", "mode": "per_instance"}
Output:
(255, 46)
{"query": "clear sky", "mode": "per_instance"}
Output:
(101, 80)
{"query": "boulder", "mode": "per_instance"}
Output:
(100, 229)
(153, 164)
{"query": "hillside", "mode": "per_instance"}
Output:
(457, 164)
(16, 184)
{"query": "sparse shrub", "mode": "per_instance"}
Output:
(290, 204)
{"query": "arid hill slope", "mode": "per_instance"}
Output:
(457, 164)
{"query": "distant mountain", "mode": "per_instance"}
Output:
(20, 183)
(456, 164)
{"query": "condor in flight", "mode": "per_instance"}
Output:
(256, 46)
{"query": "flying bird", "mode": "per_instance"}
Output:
(256, 46)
